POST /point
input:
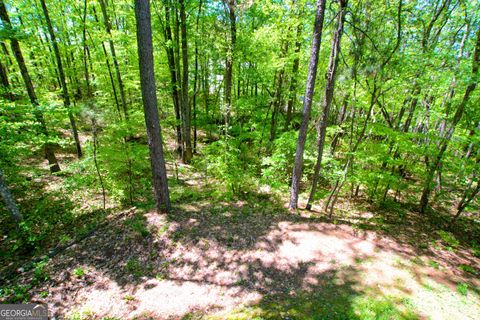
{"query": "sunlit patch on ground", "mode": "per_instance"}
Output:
(236, 261)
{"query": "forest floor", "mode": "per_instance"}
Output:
(254, 259)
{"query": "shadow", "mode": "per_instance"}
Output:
(51, 222)
(210, 256)
(415, 235)
(250, 256)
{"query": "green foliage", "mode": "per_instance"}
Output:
(15, 294)
(79, 272)
(137, 224)
(467, 268)
(462, 288)
(40, 274)
(229, 162)
(448, 238)
(134, 268)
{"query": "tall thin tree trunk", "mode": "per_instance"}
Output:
(66, 96)
(195, 81)
(277, 100)
(9, 200)
(17, 52)
(173, 77)
(7, 92)
(328, 96)
(434, 166)
(231, 4)
(149, 97)
(293, 82)
(109, 69)
(187, 154)
(121, 87)
(307, 104)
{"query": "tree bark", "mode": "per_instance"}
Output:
(9, 200)
(17, 52)
(109, 69)
(61, 73)
(307, 103)
(121, 87)
(328, 96)
(173, 76)
(277, 100)
(149, 97)
(195, 81)
(186, 132)
(293, 82)
(231, 4)
(435, 165)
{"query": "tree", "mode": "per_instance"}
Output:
(9, 200)
(149, 97)
(17, 52)
(435, 164)
(174, 76)
(328, 96)
(186, 132)
(230, 5)
(307, 104)
(108, 29)
(63, 82)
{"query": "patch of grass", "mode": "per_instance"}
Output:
(448, 238)
(40, 274)
(383, 308)
(64, 239)
(163, 229)
(82, 315)
(358, 260)
(434, 264)
(79, 272)
(476, 251)
(336, 305)
(462, 288)
(467, 268)
(128, 297)
(137, 224)
(15, 294)
(418, 261)
(44, 294)
(133, 267)
(428, 286)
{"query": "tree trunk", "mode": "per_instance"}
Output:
(9, 200)
(434, 166)
(173, 77)
(293, 82)
(328, 96)
(195, 82)
(187, 154)
(109, 69)
(66, 96)
(277, 100)
(17, 52)
(108, 28)
(307, 103)
(7, 93)
(231, 4)
(149, 97)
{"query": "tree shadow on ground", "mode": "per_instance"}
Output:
(209, 256)
(424, 235)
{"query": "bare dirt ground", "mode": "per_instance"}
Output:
(206, 259)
